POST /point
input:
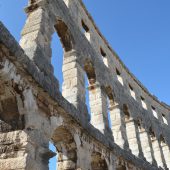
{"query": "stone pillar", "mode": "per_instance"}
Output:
(36, 36)
(99, 108)
(162, 154)
(132, 136)
(157, 152)
(146, 148)
(141, 155)
(112, 162)
(74, 82)
(83, 155)
(118, 127)
(66, 158)
(166, 154)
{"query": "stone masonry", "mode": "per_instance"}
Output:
(33, 112)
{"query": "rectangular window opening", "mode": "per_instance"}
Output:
(154, 112)
(164, 119)
(143, 103)
(85, 27)
(85, 30)
(104, 57)
(119, 77)
(132, 92)
(118, 72)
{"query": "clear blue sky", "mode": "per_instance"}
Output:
(138, 30)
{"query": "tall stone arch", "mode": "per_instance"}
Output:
(65, 36)
(11, 105)
(43, 19)
(98, 162)
(66, 148)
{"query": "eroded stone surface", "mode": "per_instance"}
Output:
(33, 112)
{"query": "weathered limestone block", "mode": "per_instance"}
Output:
(118, 127)
(132, 137)
(99, 108)
(146, 147)
(13, 163)
(157, 152)
(33, 111)
(66, 164)
(84, 150)
(36, 36)
(166, 154)
(73, 88)
(12, 150)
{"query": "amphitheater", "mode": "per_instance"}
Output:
(33, 111)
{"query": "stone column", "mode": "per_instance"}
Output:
(84, 151)
(99, 108)
(36, 36)
(66, 158)
(157, 152)
(162, 154)
(118, 127)
(146, 148)
(132, 136)
(141, 155)
(73, 88)
(166, 154)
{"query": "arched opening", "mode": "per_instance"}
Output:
(61, 43)
(65, 35)
(118, 124)
(110, 95)
(11, 103)
(126, 112)
(165, 151)
(73, 88)
(110, 104)
(89, 69)
(97, 100)
(162, 140)
(65, 148)
(139, 124)
(57, 58)
(152, 134)
(164, 119)
(104, 56)
(98, 162)
(132, 92)
(85, 30)
(144, 141)
(144, 105)
(156, 148)
(131, 131)
(119, 77)
(53, 161)
(87, 95)
(155, 114)
(90, 80)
